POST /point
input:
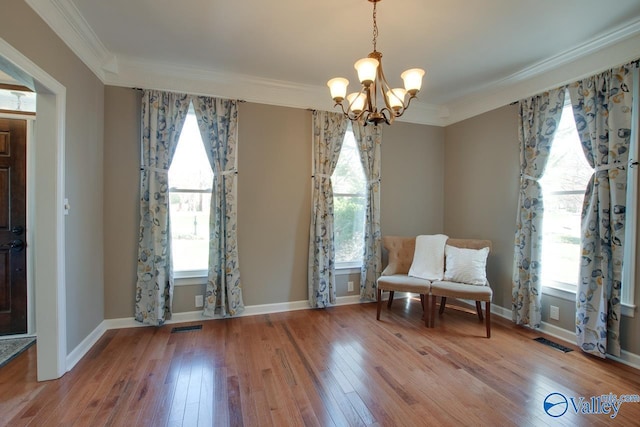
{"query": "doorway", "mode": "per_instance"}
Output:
(46, 180)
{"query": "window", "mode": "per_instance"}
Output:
(190, 178)
(563, 185)
(349, 203)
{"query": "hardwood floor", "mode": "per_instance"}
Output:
(337, 366)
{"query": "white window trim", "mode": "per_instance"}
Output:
(352, 267)
(629, 266)
(347, 268)
(190, 277)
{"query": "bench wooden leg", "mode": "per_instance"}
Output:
(425, 306)
(443, 302)
(487, 309)
(432, 319)
(379, 303)
(479, 310)
(390, 299)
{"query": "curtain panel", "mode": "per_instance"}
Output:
(328, 134)
(602, 111)
(163, 115)
(538, 120)
(218, 124)
(369, 140)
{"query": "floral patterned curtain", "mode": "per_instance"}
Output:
(218, 120)
(328, 134)
(163, 115)
(539, 117)
(602, 111)
(369, 139)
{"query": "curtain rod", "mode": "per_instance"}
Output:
(231, 99)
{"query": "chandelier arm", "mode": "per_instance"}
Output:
(408, 102)
(349, 114)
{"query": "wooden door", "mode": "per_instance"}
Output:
(13, 258)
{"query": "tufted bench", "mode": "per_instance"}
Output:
(395, 278)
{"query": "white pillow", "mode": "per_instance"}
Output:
(428, 257)
(466, 265)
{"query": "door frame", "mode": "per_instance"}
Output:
(46, 183)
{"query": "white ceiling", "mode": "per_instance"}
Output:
(283, 52)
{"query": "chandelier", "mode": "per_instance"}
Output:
(363, 106)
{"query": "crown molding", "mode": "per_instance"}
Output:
(68, 23)
(133, 72)
(608, 49)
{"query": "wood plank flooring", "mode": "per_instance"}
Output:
(333, 367)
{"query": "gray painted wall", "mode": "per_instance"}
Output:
(274, 199)
(481, 189)
(26, 32)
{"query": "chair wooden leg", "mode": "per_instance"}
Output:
(443, 302)
(425, 307)
(479, 310)
(487, 308)
(379, 303)
(390, 299)
(432, 319)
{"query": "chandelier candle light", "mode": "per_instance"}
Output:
(362, 106)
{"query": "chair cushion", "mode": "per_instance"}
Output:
(404, 283)
(461, 290)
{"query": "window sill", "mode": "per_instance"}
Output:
(347, 268)
(190, 277)
(567, 293)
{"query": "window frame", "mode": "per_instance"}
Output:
(198, 276)
(349, 267)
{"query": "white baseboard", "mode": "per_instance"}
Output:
(626, 357)
(83, 348)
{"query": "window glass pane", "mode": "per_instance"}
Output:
(190, 166)
(349, 186)
(190, 230)
(348, 177)
(349, 228)
(564, 183)
(190, 170)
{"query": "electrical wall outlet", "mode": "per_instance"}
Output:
(199, 301)
(554, 312)
(350, 286)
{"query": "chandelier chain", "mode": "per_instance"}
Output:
(375, 26)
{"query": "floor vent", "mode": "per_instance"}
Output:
(186, 328)
(552, 344)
